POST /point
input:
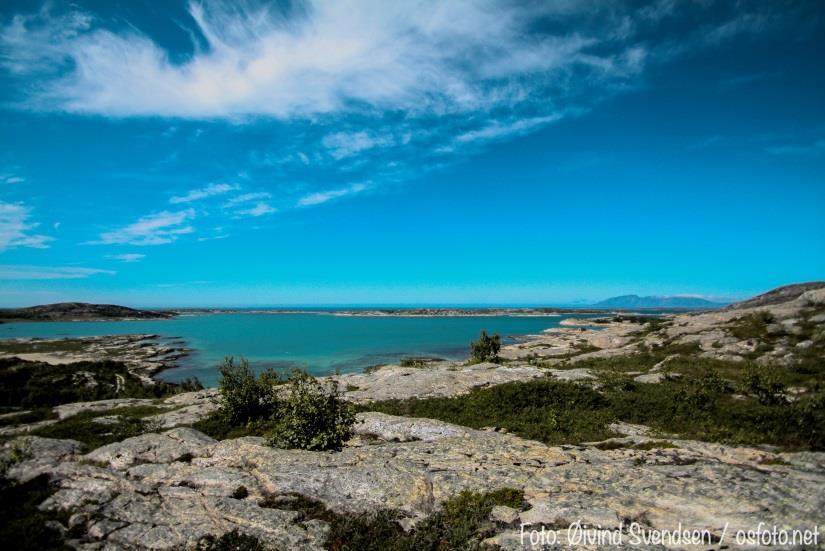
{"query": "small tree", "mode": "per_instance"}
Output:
(245, 398)
(764, 383)
(486, 347)
(312, 417)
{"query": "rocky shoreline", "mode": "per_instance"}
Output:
(144, 354)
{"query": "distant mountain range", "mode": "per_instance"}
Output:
(635, 301)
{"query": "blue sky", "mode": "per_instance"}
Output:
(474, 152)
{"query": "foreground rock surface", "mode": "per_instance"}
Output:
(172, 489)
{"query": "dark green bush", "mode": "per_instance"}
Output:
(305, 415)
(245, 397)
(461, 524)
(551, 411)
(312, 417)
(486, 348)
(93, 434)
(699, 406)
(764, 383)
(752, 326)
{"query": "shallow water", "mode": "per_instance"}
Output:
(321, 344)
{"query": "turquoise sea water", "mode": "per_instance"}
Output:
(321, 344)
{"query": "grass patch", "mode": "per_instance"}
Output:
(417, 362)
(93, 434)
(699, 406)
(554, 412)
(462, 523)
(751, 326)
(216, 426)
(33, 416)
(41, 346)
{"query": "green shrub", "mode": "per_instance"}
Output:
(461, 524)
(486, 348)
(752, 326)
(245, 397)
(551, 411)
(32, 385)
(764, 383)
(416, 362)
(84, 428)
(312, 417)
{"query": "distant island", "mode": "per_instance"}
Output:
(637, 302)
(66, 311)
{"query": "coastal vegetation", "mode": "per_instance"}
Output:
(296, 413)
(25, 384)
(709, 400)
(486, 348)
(98, 428)
(462, 523)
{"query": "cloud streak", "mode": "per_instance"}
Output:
(806, 150)
(15, 273)
(321, 197)
(318, 58)
(15, 228)
(127, 257)
(155, 229)
(203, 193)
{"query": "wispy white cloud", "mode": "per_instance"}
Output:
(324, 196)
(261, 208)
(154, 229)
(127, 257)
(497, 130)
(48, 272)
(245, 198)
(810, 149)
(321, 57)
(202, 193)
(15, 228)
(347, 144)
(214, 237)
(11, 179)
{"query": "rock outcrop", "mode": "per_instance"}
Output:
(170, 490)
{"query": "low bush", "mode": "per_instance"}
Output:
(304, 415)
(245, 397)
(486, 348)
(86, 427)
(752, 326)
(763, 382)
(700, 406)
(551, 411)
(312, 417)
(461, 524)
